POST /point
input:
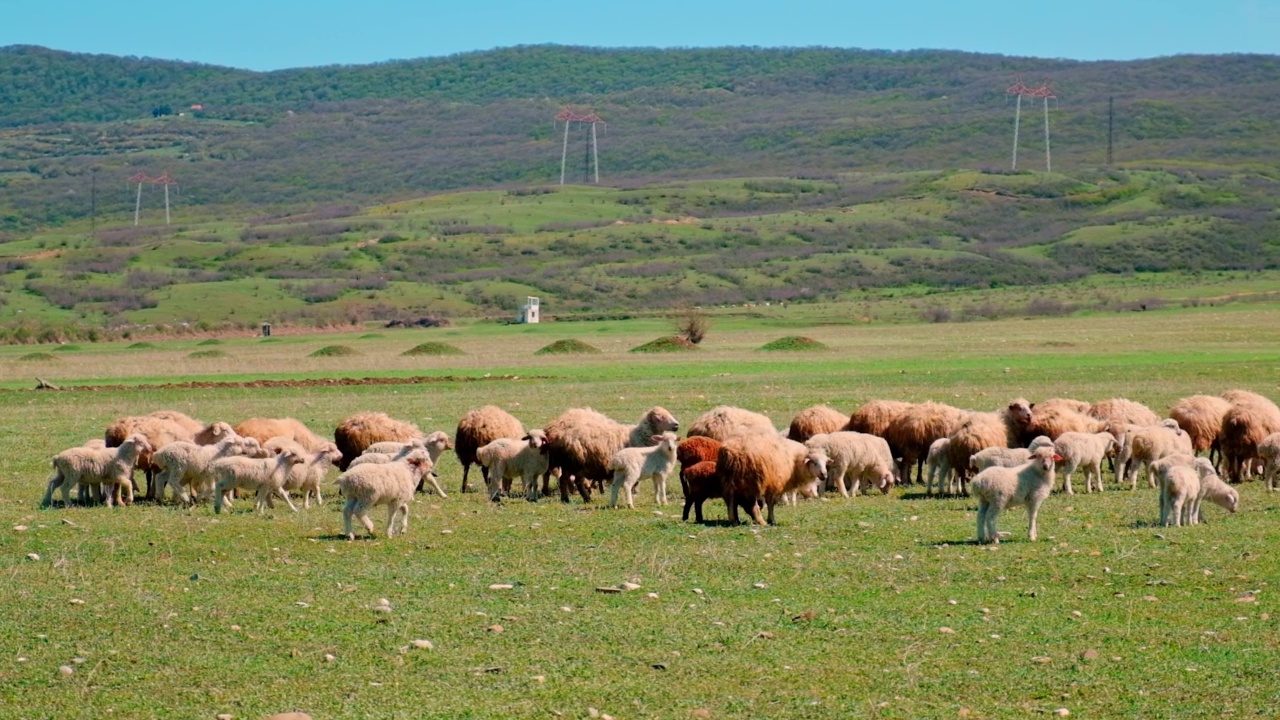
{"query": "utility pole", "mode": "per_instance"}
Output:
(1111, 128)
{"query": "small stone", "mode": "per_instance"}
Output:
(235, 628)
(384, 602)
(329, 657)
(1077, 613)
(33, 557)
(701, 713)
(897, 557)
(1062, 712)
(1089, 654)
(593, 712)
(759, 586)
(1150, 598)
(539, 678)
(1041, 659)
(765, 634)
(630, 586)
(495, 628)
(382, 608)
(946, 630)
(501, 586)
(566, 608)
(295, 715)
(952, 602)
(77, 660)
(446, 532)
(914, 518)
(302, 604)
(1246, 599)
(225, 716)
(77, 601)
(66, 670)
(423, 644)
(652, 596)
(20, 528)
(697, 591)
(609, 590)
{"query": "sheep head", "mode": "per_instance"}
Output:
(660, 420)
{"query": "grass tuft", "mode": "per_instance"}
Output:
(37, 357)
(371, 336)
(207, 354)
(335, 351)
(670, 344)
(433, 348)
(69, 347)
(141, 346)
(792, 343)
(568, 347)
(210, 341)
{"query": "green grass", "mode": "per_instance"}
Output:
(432, 349)
(207, 354)
(38, 357)
(334, 351)
(669, 344)
(568, 347)
(793, 343)
(188, 614)
(210, 341)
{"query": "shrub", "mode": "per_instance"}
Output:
(692, 324)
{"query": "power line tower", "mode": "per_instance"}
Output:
(568, 117)
(166, 180)
(1020, 90)
(140, 178)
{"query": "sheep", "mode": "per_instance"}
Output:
(160, 428)
(911, 433)
(1052, 418)
(184, 465)
(378, 458)
(632, 464)
(263, 429)
(696, 449)
(759, 469)
(1060, 404)
(307, 476)
(1123, 410)
(1086, 451)
(361, 430)
(391, 484)
(938, 464)
(999, 488)
(699, 482)
(978, 432)
(263, 476)
(504, 459)
(434, 443)
(1248, 422)
(857, 456)
(581, 442)
(1144, 445)
(1213, 489)
(1201, 417)
(478, 428)
(816, 420)
(723, 422)
(1179, 486)
(1269, 451)
(110, 468)
(875, 417)
(1006, 457)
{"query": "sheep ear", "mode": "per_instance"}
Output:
(1057, 457)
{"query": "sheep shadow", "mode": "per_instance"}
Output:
(922, 495)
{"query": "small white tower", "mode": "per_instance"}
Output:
(529, 311)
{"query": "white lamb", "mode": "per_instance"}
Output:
(855, 456)
(1085, 451)
(1145, 445)
(998, 488)
(1269, 452)
(263, 476)
(633, 464)
(938, 463)
(1213, 489)
(391, 483)
(184, 466)
(1006, 457)
(505, 459)
(434, 444)
(1179, 488)
(110, 469)
(307, 476)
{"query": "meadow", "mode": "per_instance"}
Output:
(875, 606)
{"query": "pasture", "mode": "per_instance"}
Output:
(875, 606)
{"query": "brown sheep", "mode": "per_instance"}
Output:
(1059, 418)
(263, 429)
(1016, 417)
(1123, 410)
(699, 482)
(875, 417)
(723, 422)
(356, 433)
(1249, 421)
(581, 442)
(1057, 404)
(695, 450)
(912, 432)
(159, 428)
(759, 469)
(978, 432)
(1201, 417)
(478, 428)
(816, 420)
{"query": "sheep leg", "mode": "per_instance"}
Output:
(697, 509)
(731, 505)
(1033, 512)
(982, 522)
(993, 511)
(434, 483)
(1066, 482)
(284, 495)
(688, 503)
(56, 482)
(660, 489)
(466, 470)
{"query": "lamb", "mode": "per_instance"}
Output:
(1247, 423)
(1213, 489)
(504, 459)
(373, 484)
(912, 432)
(874, 417)
(184, 465)
(696, 449)
(1269, 451)
(632, 464)
(263, 429)
(759, 469)
(160, 428)
(478, 428)
(1145, 445)
(998, 488)
(938, 464)
(581, 442)
(307, 476)
(819, 419)
(361, 430)
(110, 468)
(1201, 417)
(1179, 487)
(856, 456)
(1006, 457)
(724, 422)
(263, 476)
(699, 482)
(1086, 451)
(434, 443)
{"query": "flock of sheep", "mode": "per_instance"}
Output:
(1005, 458)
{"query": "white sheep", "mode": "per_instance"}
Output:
(307, 476)
(938, 463)
(1213, 489)
(1006, 457)
(633, 464)
(505, 459)
(263, 476)
(1179, 488)
(435, 444)
(111, 469)
(1085, 451)
(1144, 445)
(184, 465)
(372, 484)
(855, 456)
(1269, 451)
(998, 488)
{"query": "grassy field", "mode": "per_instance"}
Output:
(878, 606)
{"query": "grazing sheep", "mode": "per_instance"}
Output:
(1006, 457)
(378, 458)
(263, 429)
(160, 428)
(1213, 489)
(978, 432)
(1052, 418)
(434, 443)
(373, 484)
(504, 459)
(1085, 451)
(1123, 410)
(1144, 445)
(1269, 451)
(816, 420)
(699, 482)
(478, 428)
(184, 466)
(1179, 487)
(724, 422)
(262, 476)
(361, 430)
(1247, 423)
(1201, 417)
(632, 464)
(874, 417)
(759, 469)
(998, 488)
(912, 432)
(856, 456)
(696, 449)
(1060, 404)
(109, 468)
(307, 476)
(581, 442)
(938, 463)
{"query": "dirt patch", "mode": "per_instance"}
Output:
(313, 382)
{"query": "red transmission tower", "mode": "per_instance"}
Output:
(1020, 90)
(164, 179)
(568, 117)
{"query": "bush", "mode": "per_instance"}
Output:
(692, 324)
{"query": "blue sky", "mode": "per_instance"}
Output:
(273, 34)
